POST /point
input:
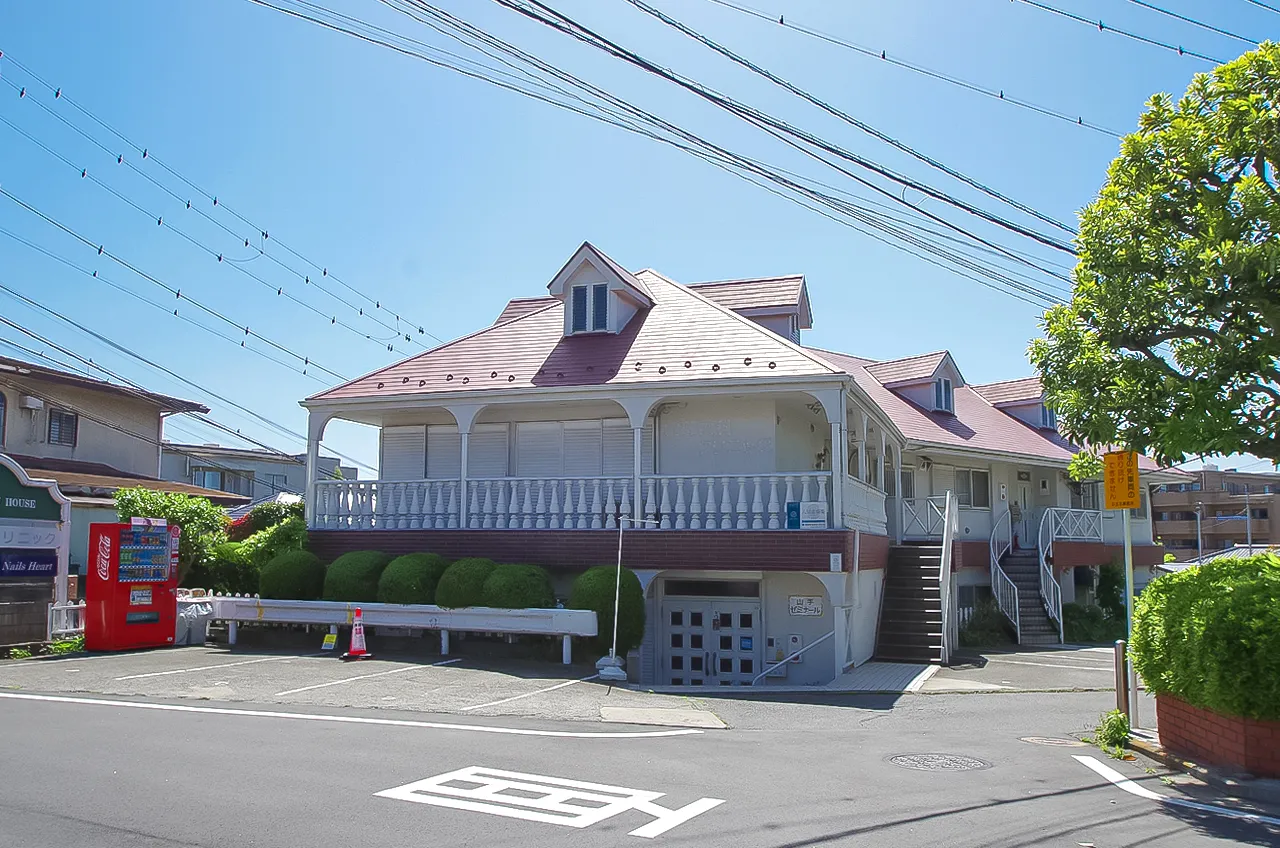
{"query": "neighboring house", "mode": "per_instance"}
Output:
(89, 436)
(1233, 508)
(693, 414)
(257, 474)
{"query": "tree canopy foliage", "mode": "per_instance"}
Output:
(1169, 345)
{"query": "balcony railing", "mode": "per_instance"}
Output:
(923, 517)
(671, 502)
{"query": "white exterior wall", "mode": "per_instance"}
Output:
(717, 436)
(26, 431)
(817, 667)
(866, 613)
(800, 436)
(81, 517)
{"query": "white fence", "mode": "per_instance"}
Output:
(66, 620)
(542, 622)
(923, 517)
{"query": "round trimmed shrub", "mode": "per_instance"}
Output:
(354, 576)
(292, 576)
(1211, 636)
(462, 584)
(411, 579)
(593, 590)
(518, 587)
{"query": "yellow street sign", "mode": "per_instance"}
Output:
(1120, 480)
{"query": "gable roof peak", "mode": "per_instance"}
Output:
(590, 254)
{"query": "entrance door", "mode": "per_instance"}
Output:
(710, 642)
(1024, 513)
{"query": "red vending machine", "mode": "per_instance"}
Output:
(131, 591)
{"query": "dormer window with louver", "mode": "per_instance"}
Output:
(943, 396)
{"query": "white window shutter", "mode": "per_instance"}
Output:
(540, 449)
(583, 449)
(619, 449)
(487, 451)
(944, 479)
(403, 453)
(444, 452)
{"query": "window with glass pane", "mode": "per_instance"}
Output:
(578, 305)
(62, 427)
(973, 489)
(908, 483)
(600, 306)
(964, 489)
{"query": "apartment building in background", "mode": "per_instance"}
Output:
(1233, 507)
(254, 473)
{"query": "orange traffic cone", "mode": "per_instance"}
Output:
(358, 650)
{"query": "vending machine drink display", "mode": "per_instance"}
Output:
(131, 589)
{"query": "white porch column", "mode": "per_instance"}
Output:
(897, 493)
(637, 408)
(465, 415)
(880, 464)
(838, 450)
(862, 452)
(637, 441)
(316, 422)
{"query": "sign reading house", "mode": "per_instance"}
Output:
(30, 502)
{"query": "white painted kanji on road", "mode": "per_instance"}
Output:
(554, 800)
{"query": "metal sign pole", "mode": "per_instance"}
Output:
(1128, 610)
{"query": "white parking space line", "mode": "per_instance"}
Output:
(1052, 665)
(527, 694)
(1132, 788)
(341, 719)
(364, 677)
(198, 668)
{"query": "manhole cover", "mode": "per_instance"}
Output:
(1054, 741)
(938, 762)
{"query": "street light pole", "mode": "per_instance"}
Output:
(1248, 520)
(610, 667)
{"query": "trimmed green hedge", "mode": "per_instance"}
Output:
(293, 576)
(593, 590)
(411, 579)
(354, 576)
(1210, 635)
(518, 587)
(462, 584)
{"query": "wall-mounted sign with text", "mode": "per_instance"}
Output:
(15, 564)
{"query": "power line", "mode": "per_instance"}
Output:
(1264, 6)
(845, 116)
(176, 292)
(620, 113)
(162, 369)
(567, 25)
(885, 56)
(263, 232)
(1194, 22)
(1102, 27)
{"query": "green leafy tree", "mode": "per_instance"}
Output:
(1169, 343)
(204, 525)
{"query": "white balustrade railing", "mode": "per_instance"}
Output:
(581, 503)
(1076, 525)
(864, 507)
(386, 505)
(923, 517)
(1003, 588)
(730, 501)
(66, 620)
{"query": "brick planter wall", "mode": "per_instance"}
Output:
(1204, 736)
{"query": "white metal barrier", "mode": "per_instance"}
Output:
(540, 622)
(66, 620)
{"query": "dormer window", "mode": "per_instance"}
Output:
(1048, 418)
(943, 397)
(590, 305)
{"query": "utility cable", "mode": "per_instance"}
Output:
(1102, 27)
(1194, 22)
(779, 81)
(884, 56)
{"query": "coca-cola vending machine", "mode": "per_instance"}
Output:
(131, 590)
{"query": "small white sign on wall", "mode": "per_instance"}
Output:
(813, 515)
(837, 562)
(806, 604)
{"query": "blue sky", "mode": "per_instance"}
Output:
(440, 197)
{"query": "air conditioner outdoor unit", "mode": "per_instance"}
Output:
(29, 402)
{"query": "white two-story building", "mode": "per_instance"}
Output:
(761, 485)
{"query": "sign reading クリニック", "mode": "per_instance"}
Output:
(28, 563)
(1120, 480)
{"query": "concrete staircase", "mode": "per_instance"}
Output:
(911, 608)
(1023, 568)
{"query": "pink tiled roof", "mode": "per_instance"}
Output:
(756, 293)
(976, 424)
(531, 350)
(523, 306)
(631, 279)
(911, 368)
(1027, 389)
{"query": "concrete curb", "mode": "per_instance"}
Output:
(1262, 790)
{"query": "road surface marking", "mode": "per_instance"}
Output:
(528, 694)
(1142, 792)
(341, 719)
(1053, 665)
(198, 668)
(552, 800)
(364, 677)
